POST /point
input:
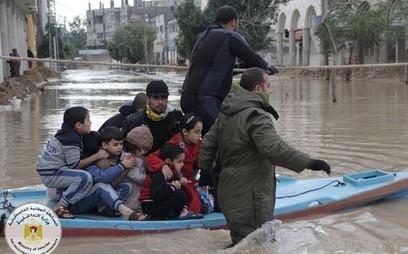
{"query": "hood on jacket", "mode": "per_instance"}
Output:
(126, 109)
(240, 99)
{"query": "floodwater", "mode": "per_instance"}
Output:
(366, 128)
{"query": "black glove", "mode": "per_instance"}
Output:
(318, 165)
(272, 70)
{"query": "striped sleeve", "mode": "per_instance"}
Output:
(72, 155)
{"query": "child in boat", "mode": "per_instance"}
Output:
(111, 141)
(162, 197)
(189, 139)
(108, 170)
(138, 142)
(59, 164)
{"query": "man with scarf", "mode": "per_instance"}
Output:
(161, 118)
(246, 143)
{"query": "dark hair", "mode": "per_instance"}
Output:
(189, 121)
(111, 132)
(92, 142)
(252, 77)
(170, 151)
(139, 102)
(74, 115)
(225, 14)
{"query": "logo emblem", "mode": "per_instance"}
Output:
(33, 228)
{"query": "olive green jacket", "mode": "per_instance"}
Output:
(245, 140)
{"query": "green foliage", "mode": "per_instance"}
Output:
(128, 42)
(393, 15)
(76, 37)
(191, 22)
(355, 22)
(255, 18)
(69, 42)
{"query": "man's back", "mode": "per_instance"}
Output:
(213, 62)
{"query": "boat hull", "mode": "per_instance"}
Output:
(295, 199)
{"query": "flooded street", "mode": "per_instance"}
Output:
(366, 128)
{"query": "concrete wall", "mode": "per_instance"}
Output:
(13, 30)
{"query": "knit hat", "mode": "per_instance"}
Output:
(157, 88)
(141, 137)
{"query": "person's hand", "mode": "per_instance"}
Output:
(176, 184)
(166, 170)
(320, 165)
(183, 181)
(129, 162)
(272, 70)
(102, 154)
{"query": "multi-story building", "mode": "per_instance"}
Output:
(296, 40)
(103, 22)
(172, 42)
(13, 29)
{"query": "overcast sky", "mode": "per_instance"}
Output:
(72, 8)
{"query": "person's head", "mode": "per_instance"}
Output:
(255, 80)
(92, 143)
(139, 140)
(227, 17)
(112, 140)
(191, 127)
(139, 102)
(157, 96)
(14, 50)
(78, 118)
(172, 155)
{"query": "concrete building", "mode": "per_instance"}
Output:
(13, 29)
(160, 46)
(295, 34)
(172, 42)
(102, 22)
(101, 25)
(296, 41)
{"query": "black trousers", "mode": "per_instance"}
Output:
(168, 208)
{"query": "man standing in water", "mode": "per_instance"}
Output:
(209, 77)
(248, 147)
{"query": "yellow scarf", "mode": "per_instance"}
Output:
(153, 115)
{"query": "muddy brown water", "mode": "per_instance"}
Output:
(366, 128)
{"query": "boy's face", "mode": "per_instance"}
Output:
(178, 163)
(113, 147)
(84, 128)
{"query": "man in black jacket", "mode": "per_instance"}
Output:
(161, 118)
(209, 78)
(138, 104)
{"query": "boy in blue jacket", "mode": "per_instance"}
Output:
(59, 164)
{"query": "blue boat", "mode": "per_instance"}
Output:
(295, 199)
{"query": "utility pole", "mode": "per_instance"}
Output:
(145, 37)
(49, 30)
(52, 39)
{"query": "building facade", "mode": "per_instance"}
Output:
(13, 30)
(297, 43)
